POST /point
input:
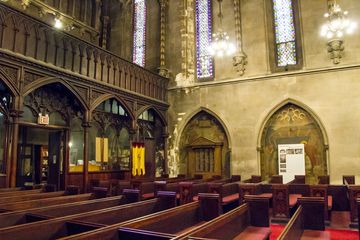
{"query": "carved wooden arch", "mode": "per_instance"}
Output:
(299, 104)
(161, 116)
(105, 97)
(49, 80)
(212, 113)
(8, 83)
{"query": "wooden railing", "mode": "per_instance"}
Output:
(24, 35)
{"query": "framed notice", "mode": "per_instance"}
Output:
(291, 159)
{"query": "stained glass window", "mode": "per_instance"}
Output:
(284, 32)
(204, 61)
(139, 32)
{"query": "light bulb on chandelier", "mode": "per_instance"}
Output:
(220, 45)
(338, 24)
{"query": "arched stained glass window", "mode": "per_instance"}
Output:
(139, 32)
(204, 61)
(285, 38)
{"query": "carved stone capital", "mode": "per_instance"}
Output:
(163, 71)
(335, 48)
(239, 62)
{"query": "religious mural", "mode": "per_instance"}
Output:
(293, 125)
(203, 125)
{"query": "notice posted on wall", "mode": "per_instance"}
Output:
(291, 159)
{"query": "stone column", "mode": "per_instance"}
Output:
(163, 71)
(240, 59)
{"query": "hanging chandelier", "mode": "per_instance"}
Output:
(220, 45)
(337, 22)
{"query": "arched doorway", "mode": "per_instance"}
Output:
(6, 99)
(292, 124)
(204, 147)
(49, 127)
(151, 131)
(109, 137)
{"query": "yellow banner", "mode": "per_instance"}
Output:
(138, 159)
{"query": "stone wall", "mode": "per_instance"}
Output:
(328, 92)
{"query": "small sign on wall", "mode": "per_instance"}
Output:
(43, 119)
(291, 161)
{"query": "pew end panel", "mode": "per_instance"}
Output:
(322, 191)
(349, 180)
(354, 194)
(131, 195)
(307, 221)
(258, 210)
(313, 212)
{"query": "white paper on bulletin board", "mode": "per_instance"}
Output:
(291, 159)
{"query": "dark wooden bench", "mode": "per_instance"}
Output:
(189, 191)
(54, 228)
(174, 222)
(19, 193)
(354, 194)
(33, 196)
(249, 221)
(322, 191)
(229, 194)
(284, 203)
(25, 216)
(253, 179)
(324, 179)
(348, 179)
(15, 206)
(308, 222)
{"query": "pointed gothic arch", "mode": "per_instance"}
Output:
(292, 122)
(148, 107)
(204, 128)
(105, 97)
(49, 80)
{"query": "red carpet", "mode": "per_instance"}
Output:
(335, 234)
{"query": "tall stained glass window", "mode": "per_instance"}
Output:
(204, 61)
(139, 32)
(285, 38)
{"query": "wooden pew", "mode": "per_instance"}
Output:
(354, 194)
(22, 217)
(253, 179)
(20, 193)
(284, 203)
(173, 222)
(32, 196)
(249, 221)
(348, 179)
(324, 179)
(298, 179)
(308, 221)
(178, 216)
(358, 212)
(15, 189)
(321, 191)
(229, 194)
(64, 226)
(15, 206)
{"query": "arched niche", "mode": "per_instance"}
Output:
(292, 124)
(109, 138)
(203, 145)
(151, 127)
